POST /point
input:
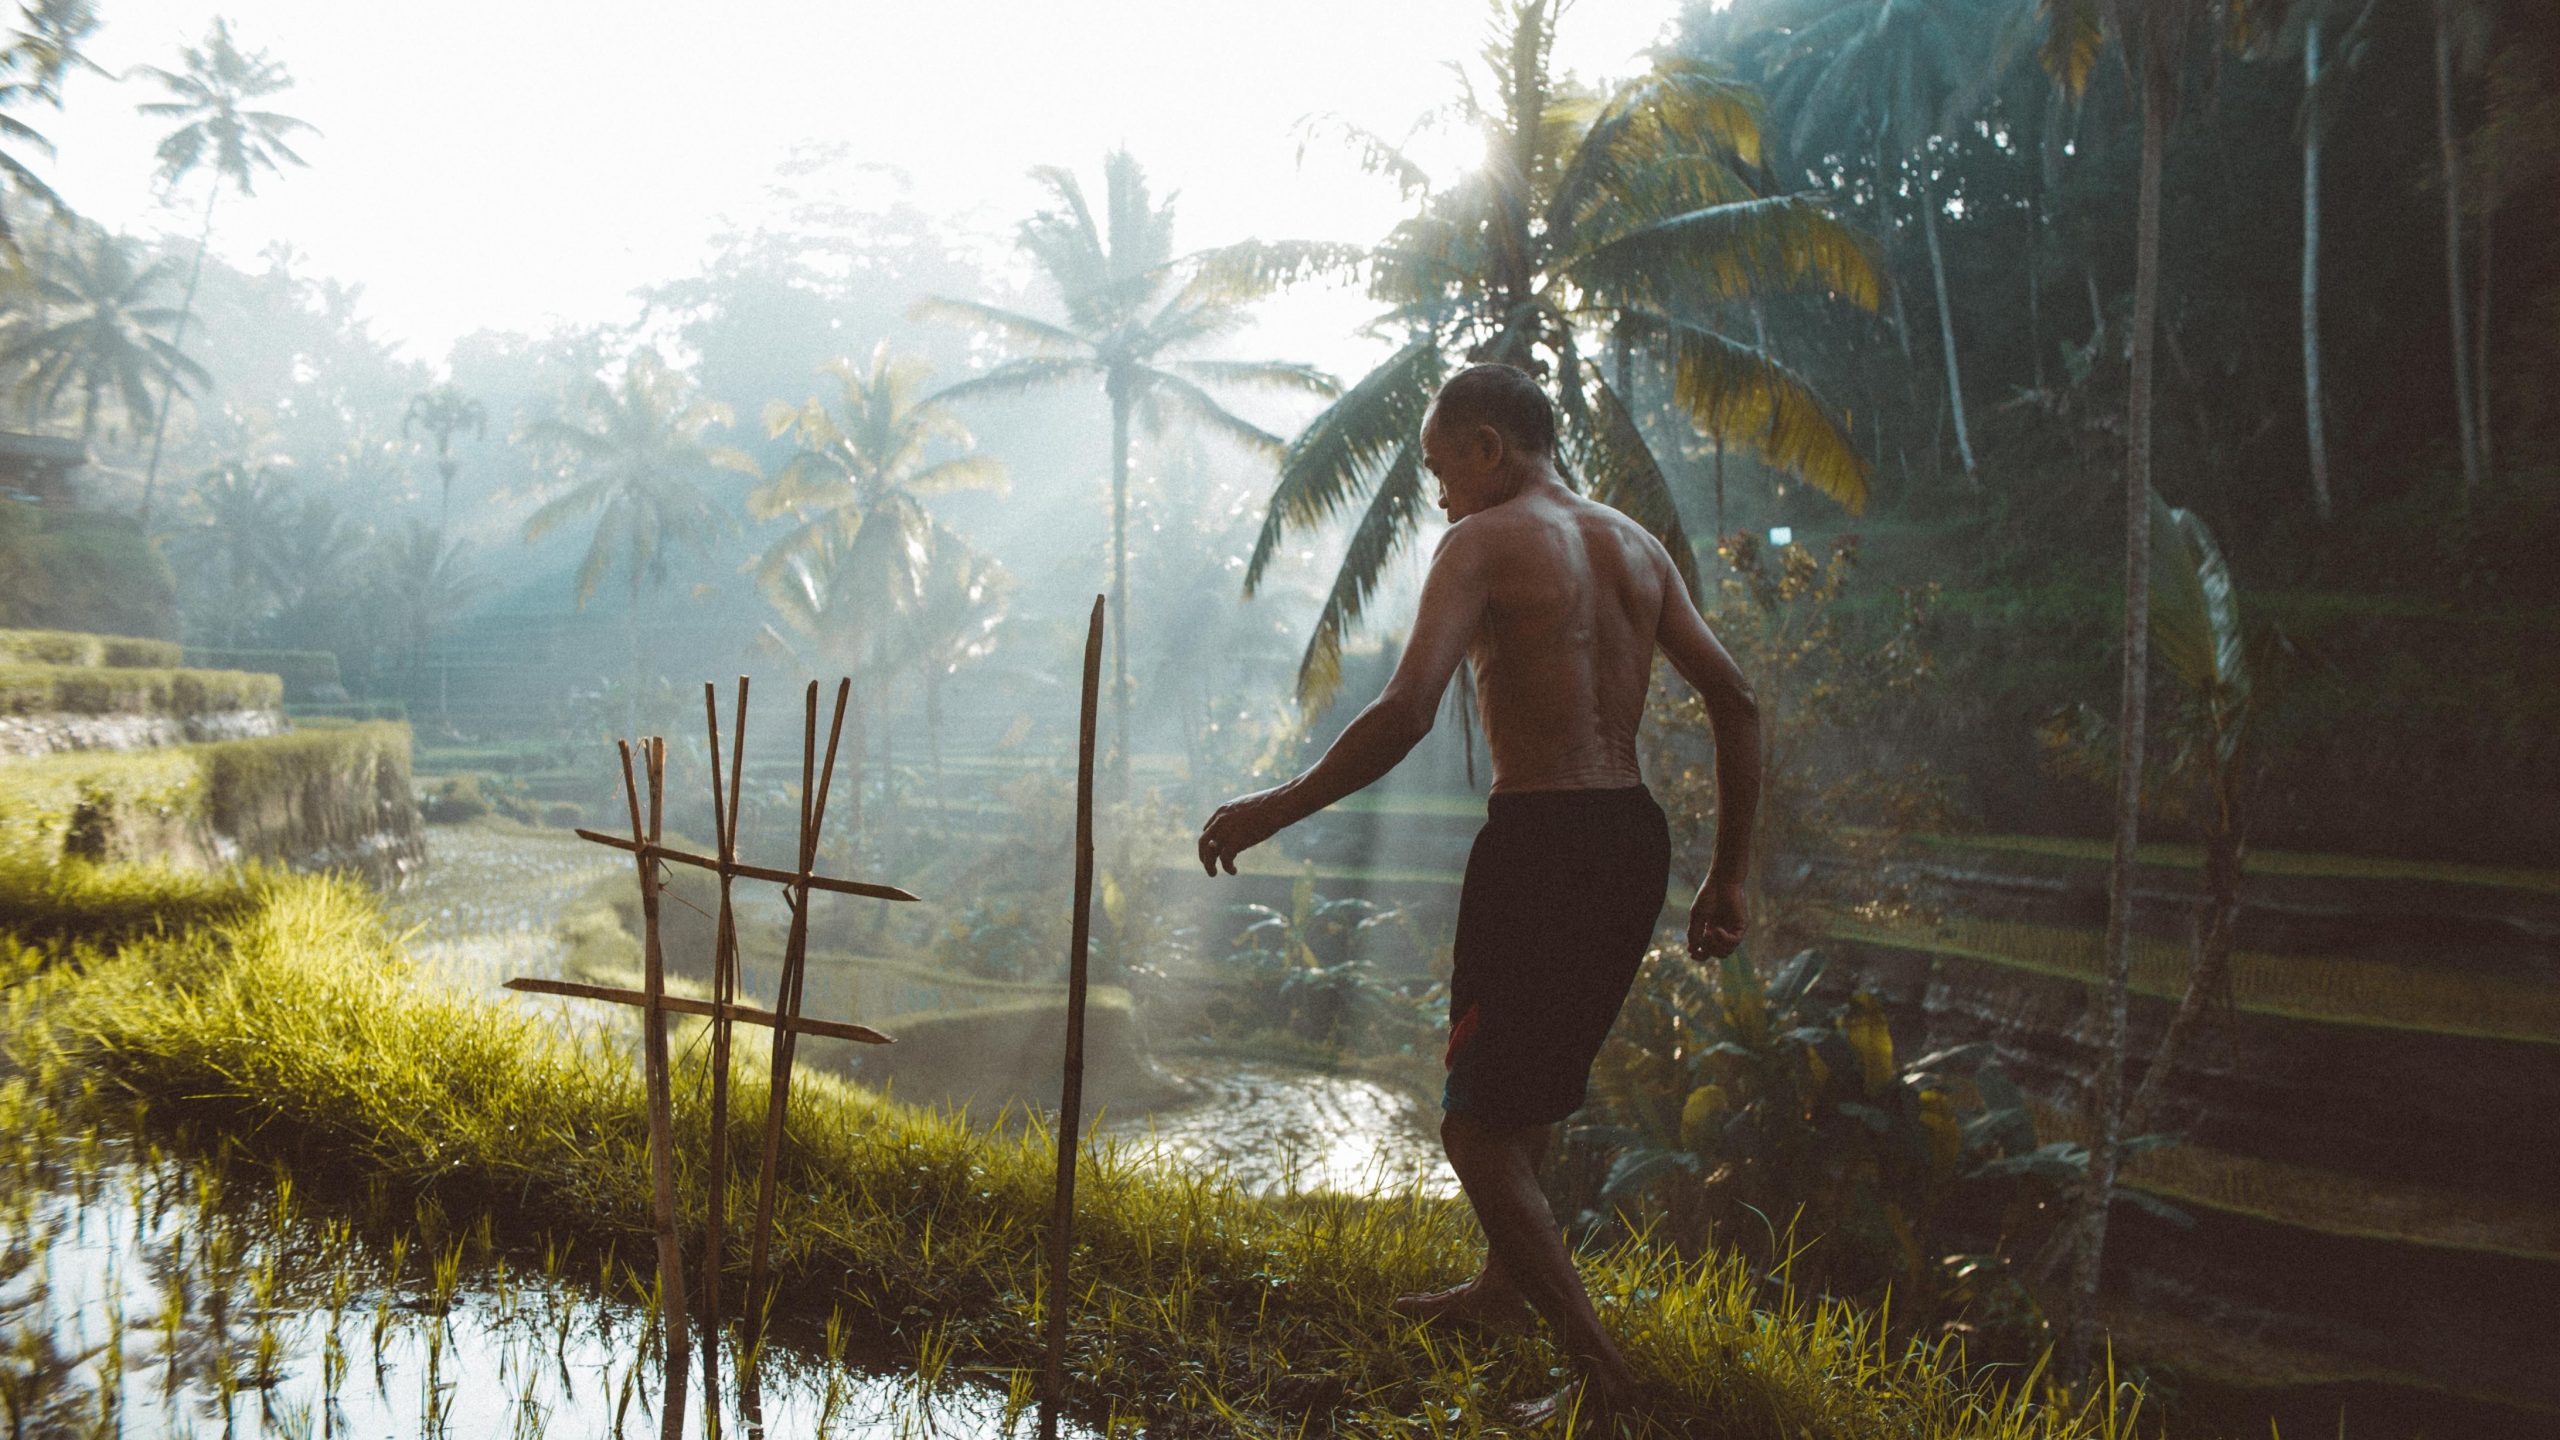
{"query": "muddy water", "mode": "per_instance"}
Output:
(487, 907)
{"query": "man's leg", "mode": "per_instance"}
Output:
(1497, 1165)
(1493, 1297)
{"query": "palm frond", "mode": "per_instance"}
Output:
(1166, 389)
(1250, 269)
(1019, 376)
(965, 472)
(1385, 528)
(1012, 324)
(1260, 374)
(1732, 251)
(2075, 31)
(1742, 395)
(1332, 459)
(1373, 152)
(2195, 609)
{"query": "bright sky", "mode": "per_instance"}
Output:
(499, 163)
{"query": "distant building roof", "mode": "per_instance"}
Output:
(38, 467)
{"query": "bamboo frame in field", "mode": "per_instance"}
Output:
(649, 856)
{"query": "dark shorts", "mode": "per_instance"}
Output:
(1563, 890)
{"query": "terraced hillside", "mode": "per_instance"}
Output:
(111, 750)
(2364, 1153)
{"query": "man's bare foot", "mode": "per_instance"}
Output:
(1593, 1408)
(1468, 1304)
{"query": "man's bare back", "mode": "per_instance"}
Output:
(1564, 649)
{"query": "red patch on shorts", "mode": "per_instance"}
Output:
(1458, 1034)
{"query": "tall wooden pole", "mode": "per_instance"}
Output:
(795, 955)
(662, 1172)
(724, 993)
(1062, 1218)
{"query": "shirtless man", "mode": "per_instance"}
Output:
(1560, 602)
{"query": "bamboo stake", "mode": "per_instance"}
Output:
(786, 1009)
(745, 871)
(1062, 1217)
(662, 1173)
(724, 998)
(686, 1005)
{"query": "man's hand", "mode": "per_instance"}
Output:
(1716, 919)
(1238, 826)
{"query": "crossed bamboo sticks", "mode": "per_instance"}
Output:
(649, 856)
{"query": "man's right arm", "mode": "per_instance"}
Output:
(1716, 921)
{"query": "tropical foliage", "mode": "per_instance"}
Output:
(1602, 227)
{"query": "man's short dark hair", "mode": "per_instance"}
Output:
(1506, 398)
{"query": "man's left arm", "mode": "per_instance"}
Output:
(1453, 601)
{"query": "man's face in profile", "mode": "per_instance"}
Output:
(1468, 465)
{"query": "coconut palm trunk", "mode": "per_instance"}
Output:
(2106, 1150)
(1947, 327)
(2315, 426)
(2451, 152)
(178, 342)
(1120, 403)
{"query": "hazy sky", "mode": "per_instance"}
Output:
(490, 164)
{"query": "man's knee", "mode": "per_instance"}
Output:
(1476, 1146)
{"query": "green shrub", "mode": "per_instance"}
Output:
(75, 647)
(457, 801)
(307, 674)
(83, 571)
(50, 689)
(564, 815)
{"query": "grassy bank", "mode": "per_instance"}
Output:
(133, 690)
(280, 1013)
(283, 795)
(76, 647)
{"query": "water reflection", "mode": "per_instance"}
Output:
(129, 1308)
(1279, 1128)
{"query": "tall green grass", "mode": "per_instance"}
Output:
(291, 1022)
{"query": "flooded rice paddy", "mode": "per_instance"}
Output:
(143, 1297)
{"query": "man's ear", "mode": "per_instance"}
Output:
(1490, 444)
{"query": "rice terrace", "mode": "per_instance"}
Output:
(1745, 719)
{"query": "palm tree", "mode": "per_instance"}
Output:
(854, 482)
(97, 333)
(2460, 26)
(33, 60)
(635, 458)
(245, 512)
(2153, 38)
(445, 412)
(853, 567)
(1633, 210)
(1878, 79)
(427, 581)
(211, 96)
(959, 602)
(1132, 309)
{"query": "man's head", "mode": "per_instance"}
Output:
(1489, 431)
